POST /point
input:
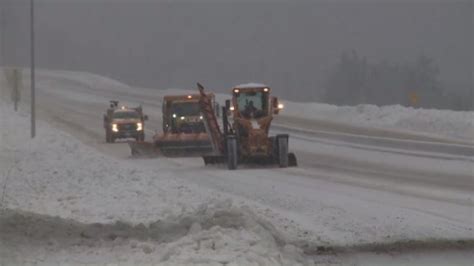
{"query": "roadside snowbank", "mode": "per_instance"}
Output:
(446, 123)
(215, 234)
(64, 202)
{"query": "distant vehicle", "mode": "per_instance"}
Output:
(122, 122)
(246, 138)
(184, 132)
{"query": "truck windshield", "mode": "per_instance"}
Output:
(252, 104)
(126, 115)
(185, 108)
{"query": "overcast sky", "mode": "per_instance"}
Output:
(287, 44)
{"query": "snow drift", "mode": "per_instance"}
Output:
(444, 123)
(213, 235)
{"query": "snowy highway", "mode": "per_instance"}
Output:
(416, 160)
(354, 185)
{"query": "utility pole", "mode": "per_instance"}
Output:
(3, 27)
(16, 88)
(32, 68)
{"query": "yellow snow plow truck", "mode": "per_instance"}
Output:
(121, 122)
(246, 123)
(184, 133)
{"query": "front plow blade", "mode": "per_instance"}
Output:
(144, 149)
(184, 145)
(214, 159)
(219, 159)
(292, 161)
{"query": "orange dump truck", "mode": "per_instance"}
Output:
(184, 131)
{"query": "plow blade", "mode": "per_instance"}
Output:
(184, 145)
(214, 159)
(220, 159)
(144, 149)
(292, 162)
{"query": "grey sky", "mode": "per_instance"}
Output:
(289, 45)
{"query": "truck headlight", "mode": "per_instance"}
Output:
(114, 128)
(139, 126)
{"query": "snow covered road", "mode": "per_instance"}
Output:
(423, 159)
(349, 189)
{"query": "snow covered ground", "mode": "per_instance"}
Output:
(67, 197)
(445, 123)
(54, 187)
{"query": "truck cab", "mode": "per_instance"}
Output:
(182, 114)
(124, 122)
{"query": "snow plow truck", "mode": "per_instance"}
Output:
(184, 132)
(246, 121)
(124, 123)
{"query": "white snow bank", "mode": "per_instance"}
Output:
(216, 234)
(151, 217)
(445, 123)
(83, 78)
(79, 86)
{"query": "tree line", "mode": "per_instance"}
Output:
(354, 80)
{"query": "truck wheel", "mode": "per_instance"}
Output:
(282, 151)
(231, 153)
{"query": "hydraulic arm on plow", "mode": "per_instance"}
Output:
(246, 139)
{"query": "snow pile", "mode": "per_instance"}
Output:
(79, 86)
(56, 174)
(218, 234)
(446, 123)
(63, 202)
(83, 79)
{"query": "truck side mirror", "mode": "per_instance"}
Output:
(145, 117)
(275, 102)
(275, 105)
